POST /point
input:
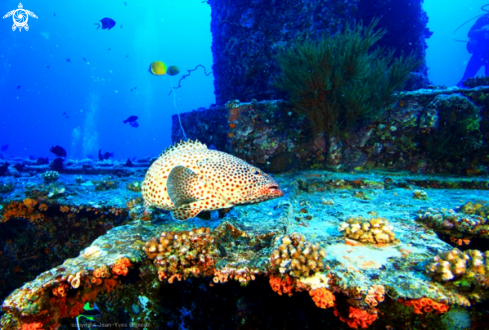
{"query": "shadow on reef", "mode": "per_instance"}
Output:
(194, 304)
(36, 237)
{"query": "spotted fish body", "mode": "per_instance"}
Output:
(188, 178)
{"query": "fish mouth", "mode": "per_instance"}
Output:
(274, 188)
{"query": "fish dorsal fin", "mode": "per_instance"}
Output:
(179, 185)
(184, 145)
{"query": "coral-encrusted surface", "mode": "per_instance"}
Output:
(291, 245)
(424, 131)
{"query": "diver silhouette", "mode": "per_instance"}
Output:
(478, 46)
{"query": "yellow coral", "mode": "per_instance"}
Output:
(297, 257)
(374, 231)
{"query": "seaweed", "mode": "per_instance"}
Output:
(342, 81)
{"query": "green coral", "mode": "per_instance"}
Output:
(342, 81)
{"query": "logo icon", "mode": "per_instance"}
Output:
(20, 17)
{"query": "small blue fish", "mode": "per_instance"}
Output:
(106, 23)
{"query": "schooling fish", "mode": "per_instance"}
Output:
(58, 151)
(106, 23)
(188, 178)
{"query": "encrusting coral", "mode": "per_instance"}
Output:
(297, 257)
(374, 231)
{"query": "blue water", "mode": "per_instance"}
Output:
(445, 57)
(96, 92)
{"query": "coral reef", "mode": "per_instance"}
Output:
(50, 176)
(374, 231)
(465, 267)
(450, 126)
(397, 140)
(297, 257)
(105, 184)
(464, 224)
(425, 305)
(134, 186)
(356, 317)
(322, 297)
(183, 254)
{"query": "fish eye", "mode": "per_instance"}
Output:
(255, 171)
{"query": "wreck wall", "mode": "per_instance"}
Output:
(423, 132)
(248, 34)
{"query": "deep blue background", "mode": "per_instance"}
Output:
(96, 93)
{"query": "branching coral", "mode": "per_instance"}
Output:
(183, 253)
(375, 230)
(339, 82)
(425, 305)
(297, 257)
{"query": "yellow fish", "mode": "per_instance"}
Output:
(188, 178)
(157, 68)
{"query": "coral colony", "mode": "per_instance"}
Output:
(376, 215)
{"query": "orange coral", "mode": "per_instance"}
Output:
(43, 207)
(282, 286)
(32, 326)
(24, 210)
(357, 317)
(110, 284)
(30, 203)
(322, 297)
(120, 267)
(64, 208)
(425, 305)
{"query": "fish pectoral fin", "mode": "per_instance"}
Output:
(179, 185)
(186, 212)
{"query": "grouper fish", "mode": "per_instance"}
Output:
(188, 178)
